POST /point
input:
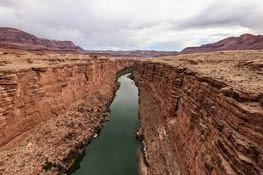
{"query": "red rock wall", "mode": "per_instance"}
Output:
(30, 96)
(200, 128)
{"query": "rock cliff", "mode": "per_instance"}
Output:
(51, 106)
(202, 113)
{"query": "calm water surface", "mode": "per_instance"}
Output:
(114, 152)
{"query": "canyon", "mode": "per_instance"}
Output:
(51, 106)
(200, 113)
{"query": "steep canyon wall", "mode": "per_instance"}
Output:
(51, 108)
(32, 95)
(193, 124)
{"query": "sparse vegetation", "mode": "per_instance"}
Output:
(124, 71)
(48, 165)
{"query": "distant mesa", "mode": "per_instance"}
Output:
(11, 38)
(243, 42)
(134, 53)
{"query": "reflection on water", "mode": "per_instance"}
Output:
(114, 151)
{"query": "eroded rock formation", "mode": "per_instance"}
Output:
(51, 106)
(201, 114)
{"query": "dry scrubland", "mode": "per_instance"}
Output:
(240, 69)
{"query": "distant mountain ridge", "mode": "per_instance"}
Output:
(11, 38)
(133, 53)
(20, 39)
(243, 42)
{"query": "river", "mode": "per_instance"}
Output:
(114, 152)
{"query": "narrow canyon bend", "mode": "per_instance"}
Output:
(199, 113)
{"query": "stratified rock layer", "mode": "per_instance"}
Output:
(52, 105)
(33, 95)
(194, 123)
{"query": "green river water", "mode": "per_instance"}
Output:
(114, 152)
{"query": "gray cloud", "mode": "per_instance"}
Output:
(134, 24)
(232, 13)
(7, 3)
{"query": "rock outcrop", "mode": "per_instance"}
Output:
(15, 38)
(243, 42)
(201, 114)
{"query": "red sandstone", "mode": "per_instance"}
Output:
(202, 113)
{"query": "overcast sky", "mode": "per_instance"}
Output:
(134, 24)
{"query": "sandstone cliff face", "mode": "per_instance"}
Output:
(33, 95)
(48, 113)
(194, 124)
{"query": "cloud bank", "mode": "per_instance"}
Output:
(134, 24)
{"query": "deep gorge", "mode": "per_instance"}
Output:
(189, 124)
(115, 149)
